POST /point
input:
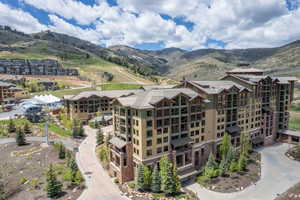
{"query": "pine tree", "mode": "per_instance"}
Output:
(176, 181)
(11, 126)
(2, 192)
(242, 163)
(80, 129)
(73, 165)
(147, 177)
(156, 182)
(246, 145)
(164, 166)
(75, 131)
(225, 145)
(62, 151)
(231, 155)
(27, 129)
(140, 180)
(53, 187)
(211, 163)
(169, 187)
(100, 137)
(20, 138)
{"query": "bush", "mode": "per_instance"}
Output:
(23, 180)
(116, 180)
(34, 183)
(233, 167)
(67, 175)
(131, 185)
(103, 154)
(202, 180)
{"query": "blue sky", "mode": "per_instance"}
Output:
(149, 24)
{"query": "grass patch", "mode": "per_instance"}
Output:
(56, 129)
(61, 93)
(294, 122)
(120, 86)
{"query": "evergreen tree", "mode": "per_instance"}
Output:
(211, 163)
(73, 165)
(27, 129)
(147, 178)
(2, 192)
(140, 180)
(225, 145)
(242, 163)
(156, 182)
(231, 155)
(80, 129)
(20, 137)
(169, 187)
(53, 187)
(62, 151)
(176, 181)
(75, 131)
(164, 167)
(100, 137)
(246, 145)
(11, 126)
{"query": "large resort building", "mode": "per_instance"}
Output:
(187, 122)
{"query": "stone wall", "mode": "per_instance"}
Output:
(34, 67)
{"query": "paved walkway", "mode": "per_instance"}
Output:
(68, 143)
(99, 184)
(278, 174)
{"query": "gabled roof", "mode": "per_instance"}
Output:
(245, 70)
(155, 87)
(107, 93)
(147, 99)
(256, 79)
(216, 87)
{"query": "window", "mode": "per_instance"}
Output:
(149, 123)
(166, 139)
(166, 148)
(149, 113)
(149, 143)
(149, 152)
(149, 133)
(159, 140)
(159, 150)
(165, 130)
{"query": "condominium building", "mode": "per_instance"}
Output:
(86, 105)
(9, 93)
(187, 122)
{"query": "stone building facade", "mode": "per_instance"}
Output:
(187, 122)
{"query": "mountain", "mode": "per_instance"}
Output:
(174, 63)
(203, 64)
(66, 47)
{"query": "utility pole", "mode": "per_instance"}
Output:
(47, 116)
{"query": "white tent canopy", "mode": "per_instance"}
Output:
(47, 98)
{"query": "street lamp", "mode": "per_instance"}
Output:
(47, 116)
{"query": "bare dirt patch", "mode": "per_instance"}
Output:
(23, 171)
(291, 194)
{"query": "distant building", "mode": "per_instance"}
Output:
(249, 71)
(48, 84)
(9, 93)
(34, 67)
(86, 105)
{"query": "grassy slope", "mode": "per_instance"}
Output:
(120, 86)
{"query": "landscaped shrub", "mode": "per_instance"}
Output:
(116, 180)
(202, 180)
(34, 183)
(23, 180)
(131, 185)
(233, 167)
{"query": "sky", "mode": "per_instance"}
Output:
(158, 24)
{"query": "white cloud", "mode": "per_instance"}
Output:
(240, 24)
(19, 19)
(61, 26)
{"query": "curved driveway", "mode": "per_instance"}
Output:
(99, 184)
(278, 174)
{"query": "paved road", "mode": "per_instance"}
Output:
(278, 174)
(68, 143)
(99, 184)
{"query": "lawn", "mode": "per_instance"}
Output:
(61, 93)
(294, 122)
(120, 86)
(56, 129)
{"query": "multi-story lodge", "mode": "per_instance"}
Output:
(188, 122)
(9, 93)
(86, 105)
